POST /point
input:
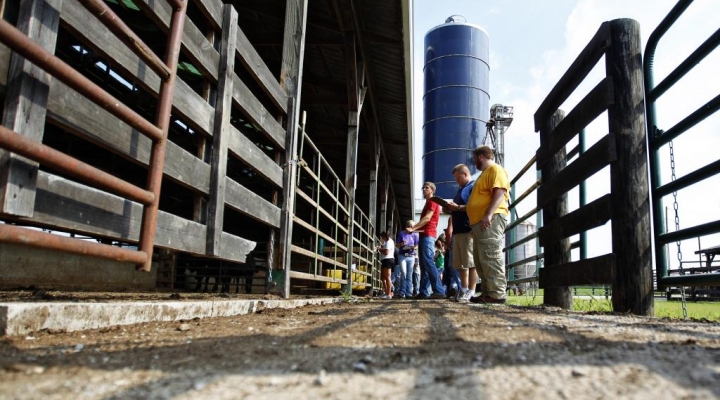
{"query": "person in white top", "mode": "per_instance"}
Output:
(387, 262)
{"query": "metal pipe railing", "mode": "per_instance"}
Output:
(157, 152)
(28, 237)
(61, 162)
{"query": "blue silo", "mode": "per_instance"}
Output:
(456, 99)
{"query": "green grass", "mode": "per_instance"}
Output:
(702, 311)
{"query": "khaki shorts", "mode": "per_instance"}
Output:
(462, 244)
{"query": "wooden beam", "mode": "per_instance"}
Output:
(633, 291)
(589, 108)
(82, 117)
(260, 72)
(25, 106)
(221, 136)
(69, 206)
(596, 158)
(245, 150)
(557, 253)
(194, 44)
(245, 201)
(591, 271)
(291, 81)
(213, 11)
(194, 110)
(583, 64)
(257, 113)
(5, 54)
(585, 218)
(374, 172)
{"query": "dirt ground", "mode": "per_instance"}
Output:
(368, 349)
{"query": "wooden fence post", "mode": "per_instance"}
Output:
(559, 252)
(223, 109)
(25, 107)
(291, 82)
(633, 288)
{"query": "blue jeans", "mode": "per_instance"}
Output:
(416, 283)
(429, 276)
(406, 273)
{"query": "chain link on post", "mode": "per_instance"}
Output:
(677, 228)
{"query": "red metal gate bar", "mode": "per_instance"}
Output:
(126, 35)
(28, 237)
(50, 157)
(34, 53)
(177, 4)
(157, 155)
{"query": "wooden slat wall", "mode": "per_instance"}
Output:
(66, 205)
(78, 208)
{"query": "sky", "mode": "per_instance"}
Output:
(532, 43)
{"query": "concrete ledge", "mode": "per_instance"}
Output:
(24, 318)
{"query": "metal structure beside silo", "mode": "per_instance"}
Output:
(456, 99)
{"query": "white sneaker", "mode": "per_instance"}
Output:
(465, 296)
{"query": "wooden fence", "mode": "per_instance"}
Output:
(628, 268)
(224, 143)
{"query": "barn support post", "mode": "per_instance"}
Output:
(25, 107)
(633, 288)
(223, 108)
(356, 96)
(384, 201)
(291, 83)
(556, 253)
(372, 206)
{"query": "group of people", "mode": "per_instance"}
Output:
(473, 240)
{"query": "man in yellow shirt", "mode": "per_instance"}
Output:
(488, 212)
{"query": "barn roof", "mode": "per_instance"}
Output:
(383, 29)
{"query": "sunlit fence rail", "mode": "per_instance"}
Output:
(620, 93)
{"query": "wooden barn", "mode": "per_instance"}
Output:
(258, 145)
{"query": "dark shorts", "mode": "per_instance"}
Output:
(387, 263)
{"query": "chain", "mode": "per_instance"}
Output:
(677, 228)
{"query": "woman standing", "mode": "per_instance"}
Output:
(387, 262)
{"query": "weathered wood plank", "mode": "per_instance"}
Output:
(75, 113)
(596, 158)
(291, 81)
(589, 108)
(223, 108)
(213, 10)
(260, 72)
(254, 110)
(25, 105)
(585, 218)
(557, 253)
(195, 111)
(583, 64)
(633, 291)
(241, 199)
(195, 46)
(73, 207)
(5, 53)
(591, 271)
(248, 152)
